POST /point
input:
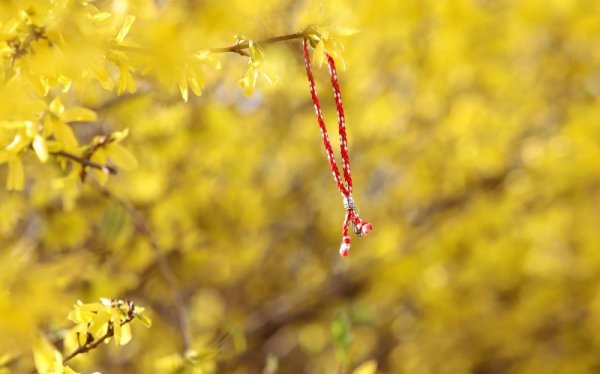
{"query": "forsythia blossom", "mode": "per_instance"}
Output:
(324, 40)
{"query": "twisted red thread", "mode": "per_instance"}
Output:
(319, 113)
(341, 123)
(360, 227)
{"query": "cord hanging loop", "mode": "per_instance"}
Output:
(351, 217)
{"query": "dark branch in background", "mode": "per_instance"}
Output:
(142, 228)
(85, 161)
(265, 323)
(120, 99)
(293, 308)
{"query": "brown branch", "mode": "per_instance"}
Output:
(86, 162)
(120, 99)
(301, 305)
(94, 344)
(89, 346)
(240, 47)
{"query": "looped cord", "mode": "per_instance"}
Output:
(351, 217)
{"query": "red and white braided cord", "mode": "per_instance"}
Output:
(360, 227)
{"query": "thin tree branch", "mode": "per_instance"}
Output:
(88, 347)
(120, 99)
(95, 343)
(297, 306)
(240, 47)
(86, 162)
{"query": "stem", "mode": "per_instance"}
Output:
(88, 347)
(84, 161)
(238, 48)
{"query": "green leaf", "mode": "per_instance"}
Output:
(341, 331)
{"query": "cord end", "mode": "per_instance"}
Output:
(366, 228)
(345, 247)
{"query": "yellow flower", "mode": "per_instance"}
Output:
(96, 319)
(76, 114)
(56, 122)
(108, 149)
(324, 40)
(47, 359)
(248, 81)
(256, 64)
(125, 81)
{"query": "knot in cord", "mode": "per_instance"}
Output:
(359, 226)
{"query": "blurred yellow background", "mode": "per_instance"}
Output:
(474, 131)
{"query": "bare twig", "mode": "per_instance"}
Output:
(89, 346)
(240, 47)
(120, 99)
(86, 162)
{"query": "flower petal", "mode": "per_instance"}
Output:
(319, 54)
(56, 106)
(125, 334)
(129, 20)
(121, 156)
(64, 134)
(40, 148)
